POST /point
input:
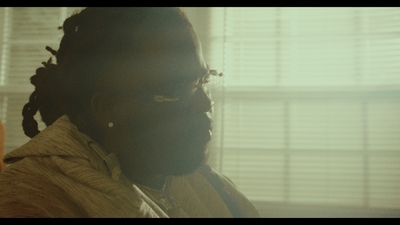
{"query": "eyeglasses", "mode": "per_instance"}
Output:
(183, 92)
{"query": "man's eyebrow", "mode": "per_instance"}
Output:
(208, 69)
(198, 75)
(179, 78)
(205, 72)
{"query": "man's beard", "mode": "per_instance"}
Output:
(168, 147)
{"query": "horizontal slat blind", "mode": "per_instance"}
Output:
(308, 110)
(281, 46)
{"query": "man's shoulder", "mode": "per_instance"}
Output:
(28, 169)
(54, 186)
(27, 189)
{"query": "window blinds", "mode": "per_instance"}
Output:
(308, 112)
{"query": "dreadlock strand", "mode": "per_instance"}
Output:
(29, 124)
(52, 51)
(41, 80)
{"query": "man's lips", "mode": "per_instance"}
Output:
(205, 130)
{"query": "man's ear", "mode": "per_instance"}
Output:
(102, 105)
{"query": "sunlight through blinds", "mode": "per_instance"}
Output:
(309, 109)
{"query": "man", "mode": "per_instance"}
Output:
(129, 122)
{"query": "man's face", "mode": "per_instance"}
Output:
(169, 137)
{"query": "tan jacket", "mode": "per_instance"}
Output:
(61, 172)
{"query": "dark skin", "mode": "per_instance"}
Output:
(153, 140)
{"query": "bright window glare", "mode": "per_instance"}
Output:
(307, 47)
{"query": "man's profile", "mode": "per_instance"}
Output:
(129, 120)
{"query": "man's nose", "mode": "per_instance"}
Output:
(201, 101)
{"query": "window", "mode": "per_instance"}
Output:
(309, 110)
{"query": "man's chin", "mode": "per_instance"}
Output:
(184, 167)
(156, 151)
(182, 164)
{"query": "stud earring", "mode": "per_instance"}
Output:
(110, 124)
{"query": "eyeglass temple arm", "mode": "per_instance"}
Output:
(215, 73)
